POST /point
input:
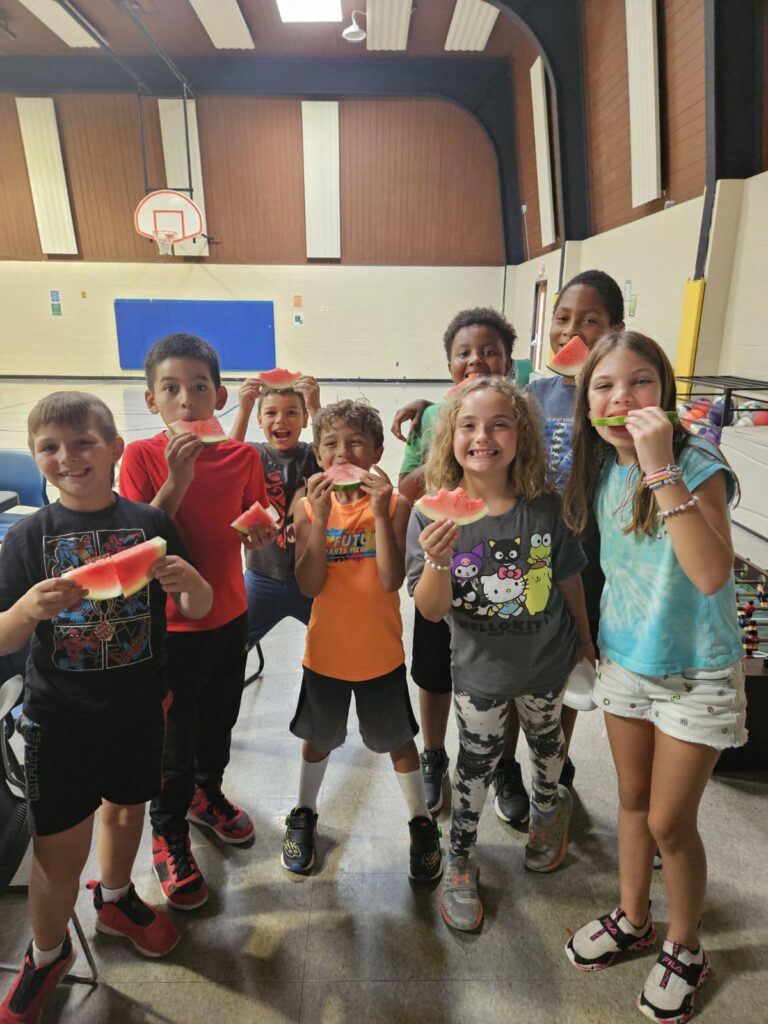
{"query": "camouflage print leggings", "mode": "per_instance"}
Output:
(482, 725)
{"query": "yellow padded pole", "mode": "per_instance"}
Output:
(693, 299)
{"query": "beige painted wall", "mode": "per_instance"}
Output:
(359, 321)
(745, 337)
(520, 292)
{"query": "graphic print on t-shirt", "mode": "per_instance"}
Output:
(342, 545)
(558, 435)
(97, 635)
(498, 589)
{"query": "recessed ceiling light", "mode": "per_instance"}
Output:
(224, 23)
(60, 21)
(309, 10)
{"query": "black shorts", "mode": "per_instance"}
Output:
(383, 708)
(70, 768)
(431, 655)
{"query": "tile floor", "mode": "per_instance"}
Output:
(355, 942)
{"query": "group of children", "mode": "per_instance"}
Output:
(505, 608)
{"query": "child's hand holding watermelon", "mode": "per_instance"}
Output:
(181, 452)
(248, 393)
(377, 485)
(193, 596)
(260, 536)
(309, 389)
(319, 489)
(437, 541)
(49, 597)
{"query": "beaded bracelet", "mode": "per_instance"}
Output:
(660, 477)
(673, 478)
(662, 472)
(666, 513)
(436, 565)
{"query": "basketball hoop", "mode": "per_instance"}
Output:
(168, 217)
(165, 240)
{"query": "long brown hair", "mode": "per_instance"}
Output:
(528, 469)
(591, 452)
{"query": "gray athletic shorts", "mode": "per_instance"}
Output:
(383, 711)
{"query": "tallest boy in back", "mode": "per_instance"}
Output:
(202, 488)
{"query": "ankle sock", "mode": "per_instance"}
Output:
(113, 895)
(311, 778)
(44, 957)
(412, 785)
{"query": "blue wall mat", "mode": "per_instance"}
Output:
(243, 333)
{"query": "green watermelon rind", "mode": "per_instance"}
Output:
(345, 485)
(281, 385)
(156, 548)
(188, 427)
(103, 567)
(619, 421)
(566, 363)
(457, 497)
(240, 523)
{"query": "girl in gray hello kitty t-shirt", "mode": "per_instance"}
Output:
(510, 587)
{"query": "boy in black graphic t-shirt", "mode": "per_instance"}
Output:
(94, 701)
(269, 577)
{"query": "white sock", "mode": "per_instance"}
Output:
(310, 780)
(113, 895)
(43, 957)
(412, 785)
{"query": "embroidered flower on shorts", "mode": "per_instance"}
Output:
(683, 721)
(675, 696)
(688, 686)
(711, 710)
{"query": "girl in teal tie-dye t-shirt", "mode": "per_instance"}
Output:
(670, 681)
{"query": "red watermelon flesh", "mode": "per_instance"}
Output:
(98, 577)
(278, 379)
(570, 359)
(345, 475)
(256, 515)
(454, 505)
(460, 385)
(208, 431)
(133, 564)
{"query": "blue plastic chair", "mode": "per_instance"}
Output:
(19, 473)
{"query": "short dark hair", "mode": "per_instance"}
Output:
(268, 392)
(72, 409)
(606, 288)
(480, 317)
(359, 415)
(181, 346)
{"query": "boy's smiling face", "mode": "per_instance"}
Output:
(477, 351)
(282, 417)
(183, 389)
(79, 462)
(344, 443)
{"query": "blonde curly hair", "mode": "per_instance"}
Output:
(527, 471)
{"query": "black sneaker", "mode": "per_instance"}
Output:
(567, 774)
(434, 768)
(511, 803)
(33, 985)
(298, 853)
(426, 860)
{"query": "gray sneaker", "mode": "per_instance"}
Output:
(548, 837)
(459, 901)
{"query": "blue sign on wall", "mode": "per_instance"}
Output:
(243, 333)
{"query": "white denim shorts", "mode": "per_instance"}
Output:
(705, 706)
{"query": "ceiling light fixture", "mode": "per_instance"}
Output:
(354, 33)
(309, 10)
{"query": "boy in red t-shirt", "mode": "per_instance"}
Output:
(203, 488)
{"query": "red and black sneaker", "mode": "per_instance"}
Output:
(212, 809)
(151, 932)
(180, 878)
(33, 985)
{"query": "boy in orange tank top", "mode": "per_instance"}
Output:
(350, 544)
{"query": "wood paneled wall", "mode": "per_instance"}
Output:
(525, 55)
(19, 239)
(253, 172)
(419, 185)
(682, 99)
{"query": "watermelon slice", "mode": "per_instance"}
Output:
(278, 379)
(208, 431)
(345, 475)
(460, 385)
(619, 421)
(98, 577)
(454, 505)
(570, 359)
(256, 515)
(133, 564)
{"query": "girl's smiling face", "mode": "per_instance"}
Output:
(623, 380)
(485, 435)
